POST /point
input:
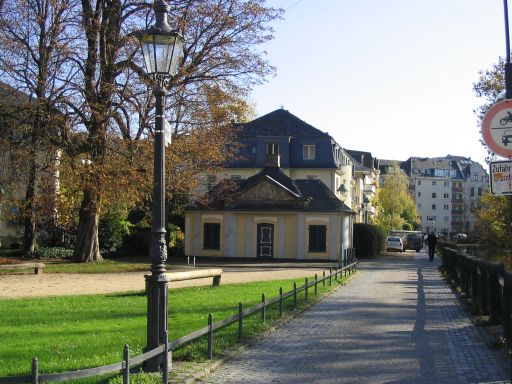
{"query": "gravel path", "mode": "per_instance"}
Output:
(53, 284)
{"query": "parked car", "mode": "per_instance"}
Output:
(414, 241)
(460, 237)
(394, 243)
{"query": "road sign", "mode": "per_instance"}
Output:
(497, 128)
(501, 177)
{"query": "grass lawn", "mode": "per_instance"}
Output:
(117, 265)
(76, 332)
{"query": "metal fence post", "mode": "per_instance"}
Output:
(330, 277)
(346, 259)
(210, 336)
(240, 323)
(126, 364)
(281, 302)
(306, 290)
(323, 278)
(507, 307)
(35, 371)
(165, 368)
(294, 295)
(316, 284)
(481, 289)
(264, 309)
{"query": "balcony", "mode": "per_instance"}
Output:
(457, 189)
(369, 188)
(457, 201)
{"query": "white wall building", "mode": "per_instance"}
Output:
(446, 190)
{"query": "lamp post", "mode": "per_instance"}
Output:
(366, 203)
(162, 48)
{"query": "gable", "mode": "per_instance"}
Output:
(266, 194)
(266, 190)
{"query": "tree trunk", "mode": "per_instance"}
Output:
(87, 245)
(29, 215)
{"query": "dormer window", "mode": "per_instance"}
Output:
(308, 152)
(272, 148)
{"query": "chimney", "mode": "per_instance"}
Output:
(273, 161)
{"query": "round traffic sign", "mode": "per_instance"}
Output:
(497, 128)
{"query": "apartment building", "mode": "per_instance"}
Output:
(446, 191)
(365, 183)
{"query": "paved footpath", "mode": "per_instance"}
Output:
(395, 322)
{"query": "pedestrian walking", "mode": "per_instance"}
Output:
(431, 241)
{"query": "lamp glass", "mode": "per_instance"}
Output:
(162, 52)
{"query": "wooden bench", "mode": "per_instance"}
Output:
(38, 267)
(216, 273)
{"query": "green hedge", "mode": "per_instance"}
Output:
(369, 239)
(54, 253)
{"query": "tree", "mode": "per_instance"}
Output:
(107, 99)
(494, 213)
(491, 87)
(220, 51)
(34, 42)
(493, 220)
(395, 205)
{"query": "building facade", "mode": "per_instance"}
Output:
(288, 196)
(365, 184)
(446, 191)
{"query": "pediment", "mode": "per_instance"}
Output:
(266, 190)
(267, 193)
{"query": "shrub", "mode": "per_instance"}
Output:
(137, 242)
(17, 244)
(407, 227)
(54, 253)
(369, 239)
(176, 241)
(113, 228)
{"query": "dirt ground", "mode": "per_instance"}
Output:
(52, 284)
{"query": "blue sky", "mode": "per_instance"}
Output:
(390, 77)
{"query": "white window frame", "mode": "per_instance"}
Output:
(308, 151)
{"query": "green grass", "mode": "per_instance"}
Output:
(106, 266)
(118, 265)
(77, 332)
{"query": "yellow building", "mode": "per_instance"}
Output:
(269, 216)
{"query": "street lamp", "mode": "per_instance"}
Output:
(162, 48)
(366, 203)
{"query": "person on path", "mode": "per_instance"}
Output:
(431, 241)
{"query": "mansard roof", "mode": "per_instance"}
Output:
(427, 166)
(364, 158)
(279, 123)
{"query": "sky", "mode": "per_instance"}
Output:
(394, 78)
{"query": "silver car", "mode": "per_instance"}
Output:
(394, 243)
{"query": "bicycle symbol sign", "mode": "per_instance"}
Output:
(497, 128)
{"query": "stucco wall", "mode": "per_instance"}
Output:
(238, 234)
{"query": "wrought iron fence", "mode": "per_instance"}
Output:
(486, 284)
